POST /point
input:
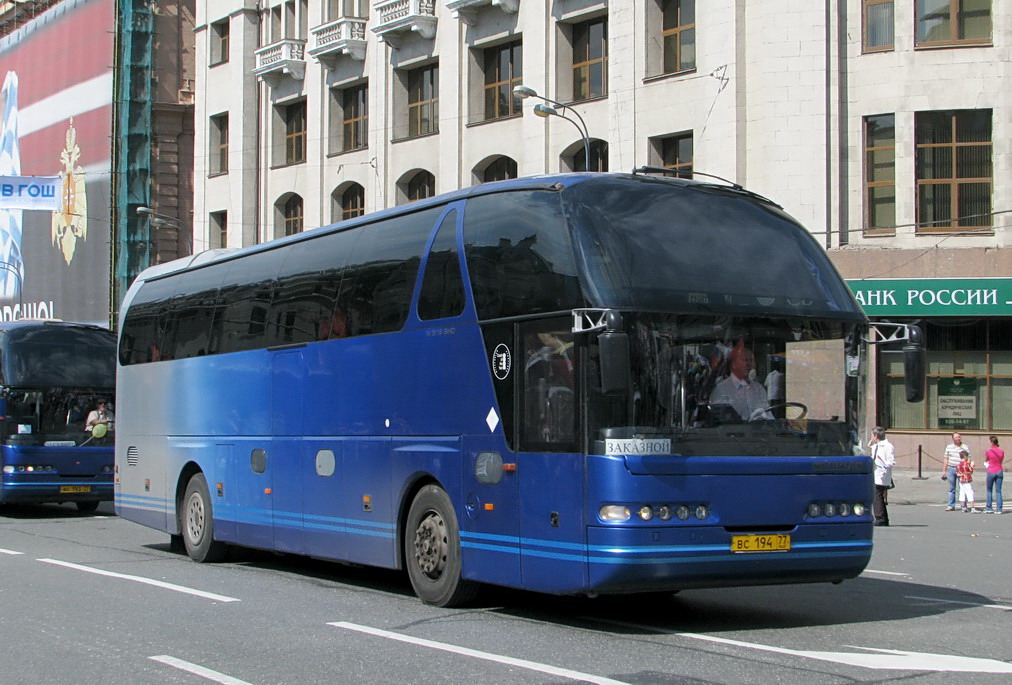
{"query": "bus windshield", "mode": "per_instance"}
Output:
(656, 244)
(731, 386)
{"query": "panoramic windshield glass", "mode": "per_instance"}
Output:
(662, 245)
(723, 386)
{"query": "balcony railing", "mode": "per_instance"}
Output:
(396, 17)
(465, 10)
(340, 37)
(284, 58)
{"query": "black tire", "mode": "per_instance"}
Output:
(86, 507)
(196, 521)
(432, 550)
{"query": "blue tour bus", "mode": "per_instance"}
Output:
(52, 375)
(517, 383)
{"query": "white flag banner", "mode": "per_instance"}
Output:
(30, 192)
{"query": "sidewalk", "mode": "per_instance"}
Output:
(909, 490)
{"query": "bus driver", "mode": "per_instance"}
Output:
(746, 397)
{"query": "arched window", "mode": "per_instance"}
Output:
(500, 169)
(598, 157)
(290, 215)
(348, 203)
(421, 186)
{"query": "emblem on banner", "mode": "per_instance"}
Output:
(70, 222)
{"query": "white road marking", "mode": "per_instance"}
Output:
(885, 573)
(1003, 607)
(141, 579)
(197, 670)
(10, 551)
(880, 659)
(464, 651)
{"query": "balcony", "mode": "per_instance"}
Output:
(398, 17)
(340, 37)
(466, 10)
(284, 58)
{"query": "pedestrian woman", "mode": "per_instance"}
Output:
(884, 456)
(994, 458)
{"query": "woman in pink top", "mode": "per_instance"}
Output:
(995, 475)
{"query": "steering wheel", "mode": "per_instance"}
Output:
(759, 413)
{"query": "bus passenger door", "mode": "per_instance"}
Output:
(287, 463)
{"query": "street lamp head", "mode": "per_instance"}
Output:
(545, 111)
(522, 91)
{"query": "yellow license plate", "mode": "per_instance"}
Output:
(760, 543)
(74, 488)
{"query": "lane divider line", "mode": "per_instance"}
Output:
(1003, 607)
(10, 551)
(198, 670)
(141, 579)
(487, 656)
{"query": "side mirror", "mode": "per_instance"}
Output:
(915, 359)
(616, 376)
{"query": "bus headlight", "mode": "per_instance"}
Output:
(614, 512)
(664, 512)
(814, 510)
(682, 512)
(859, 509)
(8, 468)
(702, 512)
(645, 512)
(830, 509)
(844, 509)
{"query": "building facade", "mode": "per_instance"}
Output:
(882, 125)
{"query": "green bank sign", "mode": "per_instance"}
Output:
(934, 296)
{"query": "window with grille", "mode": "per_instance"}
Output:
(880, 173)
(953, 22)
(423, 100)
(678, 29)
(590, 59)
(954, 170)
(503, 71)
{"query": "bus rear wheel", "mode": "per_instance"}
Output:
(432, 550)
(197, 522)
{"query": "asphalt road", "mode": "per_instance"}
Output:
(92, 598)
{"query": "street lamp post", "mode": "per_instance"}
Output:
(157, 219)
(550, 110)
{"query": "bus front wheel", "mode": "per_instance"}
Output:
(197, 522)
(432, 550)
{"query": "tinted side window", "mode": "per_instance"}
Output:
(141, 338)
(442, 293)
(188, 330)
(244, 301)
(380, 278)
(303, 309)
(519, 254)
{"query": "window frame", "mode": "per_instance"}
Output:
(955, 17)
(218, 133)
(422, 98)
(953, 181)
(294, 116)
(355, 118)
(867, 167)
(866, 9)
(220, 42)
(494, 79)
(352, 203)
(293, 217)
(583, 61)
(677, 30)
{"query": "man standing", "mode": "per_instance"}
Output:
(884, 456)
(950, 462)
